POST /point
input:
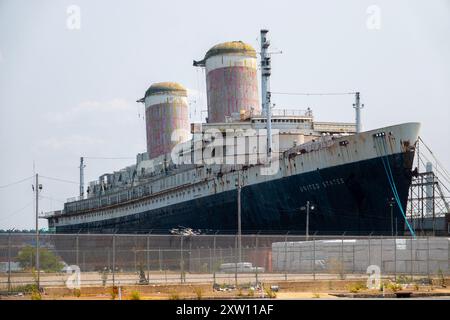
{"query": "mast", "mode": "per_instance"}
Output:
(358, 108)
(82, 166)
(265, 87)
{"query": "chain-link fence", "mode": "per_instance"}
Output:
(158, 259)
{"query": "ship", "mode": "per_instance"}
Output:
(250, 167)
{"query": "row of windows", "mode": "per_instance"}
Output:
(280, 120)
(148, 202)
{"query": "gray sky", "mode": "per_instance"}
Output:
(67, 92)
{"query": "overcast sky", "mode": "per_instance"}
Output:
(67, 92)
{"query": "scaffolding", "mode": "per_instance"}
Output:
(428, 200)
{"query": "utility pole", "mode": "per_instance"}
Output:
(9, 260)
(36, 189)
(82, 166)
(358, 108)
(239, 187)
(265, 85)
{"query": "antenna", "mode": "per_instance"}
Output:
(265, 87)
(82, 166)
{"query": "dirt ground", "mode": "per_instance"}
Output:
(319, 289)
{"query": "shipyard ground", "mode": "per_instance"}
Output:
(324, 287)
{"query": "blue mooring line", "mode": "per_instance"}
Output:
(394, 188)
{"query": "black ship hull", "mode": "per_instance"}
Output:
(353, 199)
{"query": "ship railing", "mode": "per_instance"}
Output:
(45, 215)
(291, 113)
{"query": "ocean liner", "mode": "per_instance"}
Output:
(250, 165)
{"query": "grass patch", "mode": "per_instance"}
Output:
(36, 295)
(77, 293)
(135, 295)
(356, 287)
(270, 293)
(174, 296)
(199, 293)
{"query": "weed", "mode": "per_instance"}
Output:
(114, 292)
(76, 293)
(36, 295)
(393, 286)
(135, 295)
(356, 287)
(28, 288)
(441, 278)
(199, 293)
(174, 296)
(404, 279)
(270, 293)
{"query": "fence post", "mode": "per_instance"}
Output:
(285, 256)
(114, 259)
(9, 261)
(411, 240)
(257, 254)
(109, 258)
(353, 258)
(160, 258)
(214, 249)
(181, 260)
(236, 261)
(148, 258)
(314, 258)
(342, 257)
(190, 255)
(381, 254)
(428, 257)
(77, 251)
(135, 258)
(395, 258)
(210, 260)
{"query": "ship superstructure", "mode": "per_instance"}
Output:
(281, 159)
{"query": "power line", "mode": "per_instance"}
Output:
(434, 157)
(110, 158)
(16, 182)
(17, 211)
(53, 199)
(60, 180)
